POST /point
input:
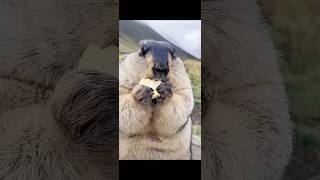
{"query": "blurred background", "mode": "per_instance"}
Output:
(296, 29)
(185, 36)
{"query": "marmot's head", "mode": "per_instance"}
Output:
(159, 56)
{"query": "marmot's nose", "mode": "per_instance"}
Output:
(160, 66)
(160, 71)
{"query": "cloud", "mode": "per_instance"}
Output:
(184, 33)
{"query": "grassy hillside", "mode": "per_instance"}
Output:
(194, 70)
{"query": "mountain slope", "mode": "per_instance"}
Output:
(131, 32)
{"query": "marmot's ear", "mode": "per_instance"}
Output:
(141, 43)
(173, 51)
(143, 49)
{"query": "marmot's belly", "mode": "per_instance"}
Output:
(154, 146)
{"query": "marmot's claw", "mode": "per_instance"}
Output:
(142, 94)
(165, 90)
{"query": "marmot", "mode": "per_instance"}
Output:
(247, 132)
(157, 128)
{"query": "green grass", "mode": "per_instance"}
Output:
(126, 45)
(193, 68)
(121, 56)
(196, 130)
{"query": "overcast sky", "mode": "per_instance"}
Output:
(185, 34)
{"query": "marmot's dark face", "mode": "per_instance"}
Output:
(158, 55)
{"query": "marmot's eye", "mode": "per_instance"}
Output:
(143, 51)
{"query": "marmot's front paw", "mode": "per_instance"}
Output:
(142, 94)
(165, 90)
